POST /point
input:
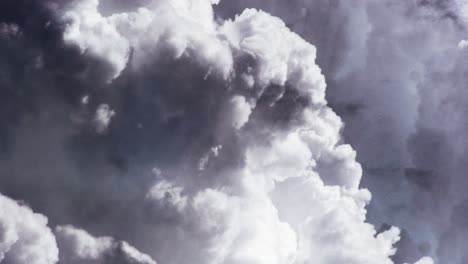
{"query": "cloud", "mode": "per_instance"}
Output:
(165, 26)
(395, 77)
(425, 261)
(240, 111)
(251, 164)
(103, 117)
(24, 235)
(26, 238)
(77, 246)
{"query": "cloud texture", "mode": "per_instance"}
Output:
(395, 72)
(177, 130)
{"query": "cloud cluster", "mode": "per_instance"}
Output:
(26, 238)
(191, 137)
(395, 74)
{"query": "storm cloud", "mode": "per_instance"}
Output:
(171, 131)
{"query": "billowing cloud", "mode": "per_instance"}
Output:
(395, 74)
(26, 238)
(193, 137)
(77, 246)
(24, 235)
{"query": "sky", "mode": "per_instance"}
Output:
(233, 132)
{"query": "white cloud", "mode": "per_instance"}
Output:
(233, 229)
(462, 44)
(169, 26)
(103, 117)
(79, 247)
(282, 56)
(24, 235)
(96, 35)
(240, 111)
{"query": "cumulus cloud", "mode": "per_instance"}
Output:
(24, 235)
(78, 246)
(161, 27)
(88, 30)
(395, 75)
(251, 164)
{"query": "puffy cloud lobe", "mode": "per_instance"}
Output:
(233, 229)
(240, 111)
(175, 27)
(282, 56)
(330, 223)
(24, 235)
(167, 196)
(88, 29)
(26, 238)
(103, 117)
(340, 168)
(79, 247)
